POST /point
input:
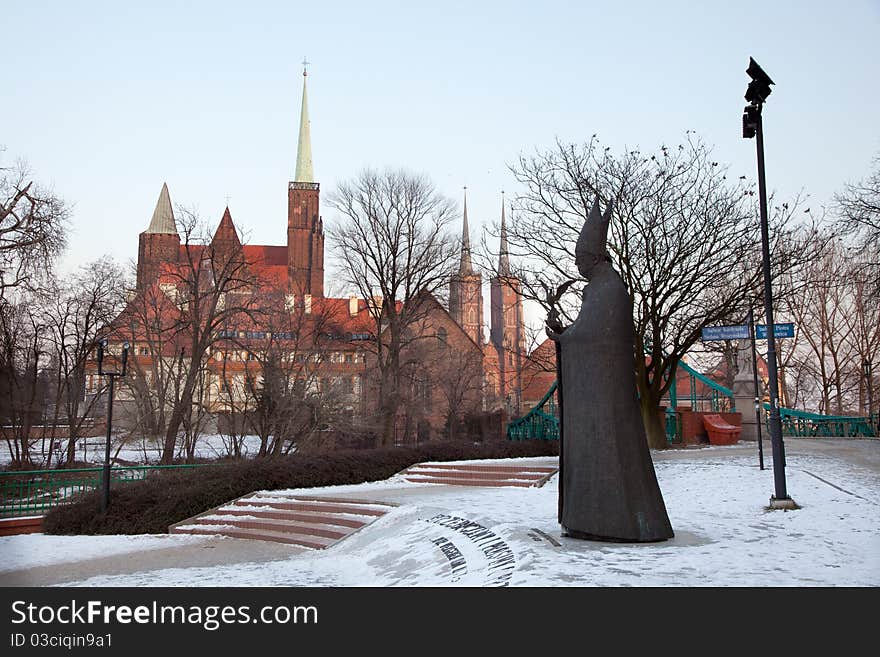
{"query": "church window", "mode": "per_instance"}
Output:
(441, 334)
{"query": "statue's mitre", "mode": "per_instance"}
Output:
(594, 234)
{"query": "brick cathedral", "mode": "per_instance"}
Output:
(297, 267)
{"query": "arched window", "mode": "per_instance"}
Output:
(441, 334)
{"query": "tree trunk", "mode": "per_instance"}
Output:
(655, 425)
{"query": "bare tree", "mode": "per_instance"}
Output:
(459, 379)
(820, 310)
(289, 392)
(683, 237)
(79, 310)
(150, 321)
(24, 358)
(394, 249)
(213, 287)
(32, 229)
(858, 207)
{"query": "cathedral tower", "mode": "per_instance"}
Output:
(466, 289)
(159, 243)
(305, 230)
(507, 333)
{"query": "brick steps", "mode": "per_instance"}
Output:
(479, 474)
(469, 482)
(310, 522)
(297, 505)
(488, 467)
(260, 535)
(294, 516)
(14, 526)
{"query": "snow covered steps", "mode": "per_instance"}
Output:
(480, 474)
(311, 522)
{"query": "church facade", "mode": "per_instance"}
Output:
(493, 360)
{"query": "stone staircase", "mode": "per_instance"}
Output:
(309, 522)
(481, 474)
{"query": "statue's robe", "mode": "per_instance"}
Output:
(609, 487)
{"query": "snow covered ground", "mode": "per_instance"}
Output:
(457, 536)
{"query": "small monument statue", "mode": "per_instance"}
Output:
(608, 488)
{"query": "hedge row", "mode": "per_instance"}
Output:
(167, 497)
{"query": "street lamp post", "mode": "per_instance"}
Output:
(105, 498)
(869, 389)
(759, 415)
(756, 94)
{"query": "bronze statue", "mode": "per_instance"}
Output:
(608, 488)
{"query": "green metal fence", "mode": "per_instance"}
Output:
(812, 425)
(34, 492)
(542, 421)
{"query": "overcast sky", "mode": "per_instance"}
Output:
(106, 101)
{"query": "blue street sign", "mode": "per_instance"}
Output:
(780, 331)
(726, 332)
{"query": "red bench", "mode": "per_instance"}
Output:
(720, 432)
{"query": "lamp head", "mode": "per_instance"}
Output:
(759, 88)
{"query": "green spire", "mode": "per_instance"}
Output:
(304, 171)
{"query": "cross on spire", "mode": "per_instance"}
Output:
(305, 63)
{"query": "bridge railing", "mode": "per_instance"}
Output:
(813, 425)
(34, 492)
(542, 421)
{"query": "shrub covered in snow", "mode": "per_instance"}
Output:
(167, 497)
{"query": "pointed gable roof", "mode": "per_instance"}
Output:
(226, 232)
(163, 216)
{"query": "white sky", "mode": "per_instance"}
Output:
(108, 100)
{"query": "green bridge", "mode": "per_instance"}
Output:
(542, 422)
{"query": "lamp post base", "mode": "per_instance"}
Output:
(782, 504)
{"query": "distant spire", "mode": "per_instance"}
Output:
(465, 268)
(503, 259)
(163, 216)
(304, 171)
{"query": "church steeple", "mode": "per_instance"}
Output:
(163, 216)
(159, 243)
(466, 288)
(305, 230)
(304, 172)
(465, 267)
(503, 257)
(507, 332)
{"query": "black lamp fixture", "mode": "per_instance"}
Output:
(102, 346)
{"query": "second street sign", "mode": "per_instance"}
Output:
(779, 331)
